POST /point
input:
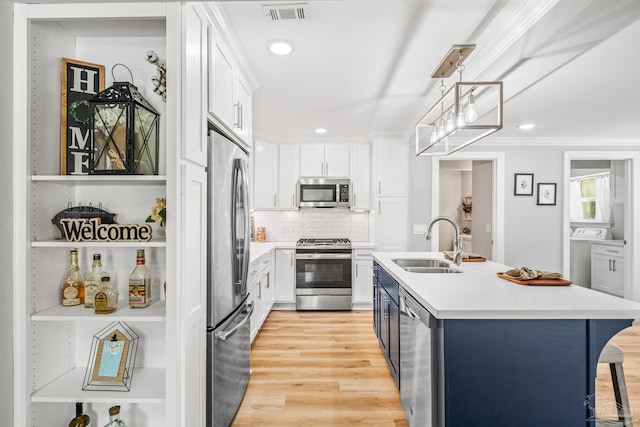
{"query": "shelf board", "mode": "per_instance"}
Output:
(147, 386)
(102, 179)
(59, 243)
(156, 312)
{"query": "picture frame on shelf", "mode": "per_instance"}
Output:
(112, 359)
(523, 184)
(546, 194)
(80, 81)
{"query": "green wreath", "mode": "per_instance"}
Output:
(73, 113)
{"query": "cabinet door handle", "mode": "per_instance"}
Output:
(241, 120)
(354, 200)
(326, 168)
(613, 263)
(379, 208)
(609, 264)
(379, 187)
(274, 199)
(236, 123)
(293, 200)
(291, 256)
(357, 265)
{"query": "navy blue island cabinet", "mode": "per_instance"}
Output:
(502, 372)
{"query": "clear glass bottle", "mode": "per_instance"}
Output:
(114, 418)
(80, 420)
(105, 299)
(140, 283)
(92, 280)
(72, 289)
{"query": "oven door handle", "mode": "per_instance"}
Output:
(323, 256)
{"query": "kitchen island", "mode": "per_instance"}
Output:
(502, 353)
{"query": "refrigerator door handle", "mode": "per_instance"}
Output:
(224, 335)
(247, 226)
(239, 201)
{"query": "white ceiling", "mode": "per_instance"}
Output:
(362, 66)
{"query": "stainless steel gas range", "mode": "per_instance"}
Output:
(323, 274)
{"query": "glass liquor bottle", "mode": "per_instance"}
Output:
(140, 283)
(105, 297)
(80, 420)
(114, 418)
(92, 280)
(72, 289)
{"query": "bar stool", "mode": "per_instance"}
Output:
(614, 357)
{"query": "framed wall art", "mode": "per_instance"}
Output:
(523, 184)
(80, 81)
(546, 194)
(112, 358)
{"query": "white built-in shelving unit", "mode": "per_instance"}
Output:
(53, 343)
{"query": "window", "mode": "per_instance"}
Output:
(589, 198)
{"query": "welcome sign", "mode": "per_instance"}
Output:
(81, 81)
(79, 230)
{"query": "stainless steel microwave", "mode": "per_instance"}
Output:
(324, 192)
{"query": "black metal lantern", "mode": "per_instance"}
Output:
(125, 135)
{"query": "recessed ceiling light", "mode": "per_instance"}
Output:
(321, 130)
(280, 47)
(527, 126)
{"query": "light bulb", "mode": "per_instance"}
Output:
(451, 125)
(441, 129)
(471, 114)
(434, 134)
(460, 118)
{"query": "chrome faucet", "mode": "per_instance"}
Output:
(457, 241)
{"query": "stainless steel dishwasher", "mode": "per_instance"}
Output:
(418, 363)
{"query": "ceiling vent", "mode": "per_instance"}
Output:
(287, 12)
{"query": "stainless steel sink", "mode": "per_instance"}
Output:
(432, 270)
(425, 265)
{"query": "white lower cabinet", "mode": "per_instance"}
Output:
(261, 290)
(607, 267)
(285, 276)
(362, 278)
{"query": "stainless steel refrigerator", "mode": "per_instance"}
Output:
(228, 312)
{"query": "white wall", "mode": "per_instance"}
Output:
(6, 212)
(533, 234)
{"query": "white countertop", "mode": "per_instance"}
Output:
(478, 293)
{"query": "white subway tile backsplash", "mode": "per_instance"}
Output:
(289, 226)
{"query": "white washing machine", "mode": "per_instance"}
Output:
(580, 247)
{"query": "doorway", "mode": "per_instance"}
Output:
(622, 223)
(486, 199)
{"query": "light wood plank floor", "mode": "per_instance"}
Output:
(319, 369)
(326, 369)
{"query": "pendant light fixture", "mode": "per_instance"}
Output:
(465, 113)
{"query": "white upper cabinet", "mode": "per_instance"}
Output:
(221, 78)
(324, 160)
(194, 114)
(288, 173)
(265, 175)
(392, 157)
(230, 90)
(360, 168)
(242, 106)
